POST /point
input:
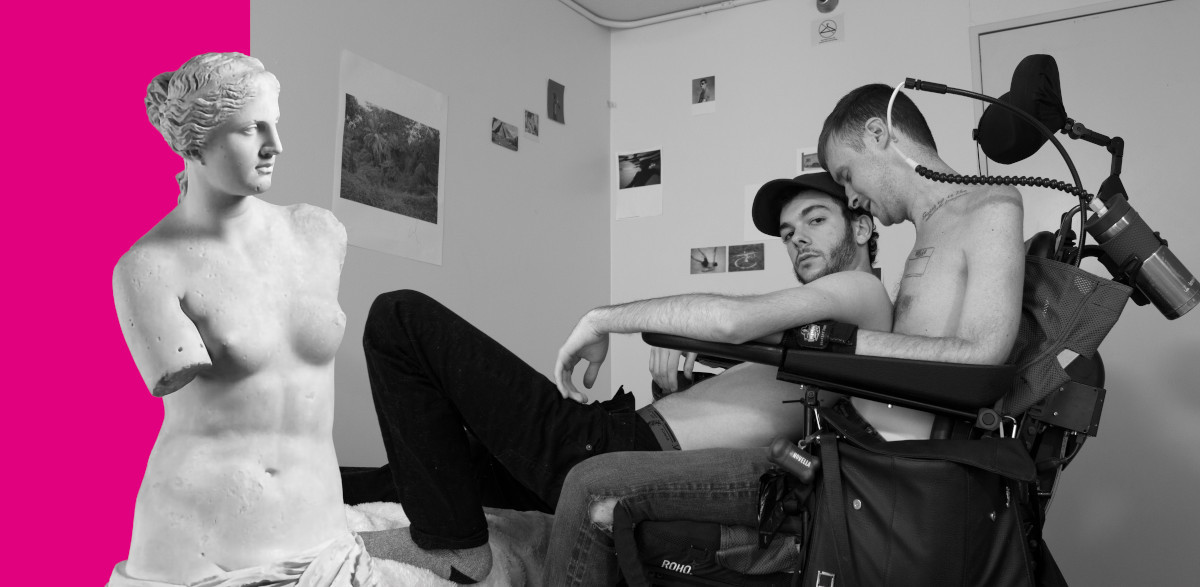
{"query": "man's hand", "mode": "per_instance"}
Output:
(664, 368)
(585, 342)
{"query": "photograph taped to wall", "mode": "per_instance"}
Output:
(555, 101)
(639, 169)
(389, 161)
(704, 95)
(708, 260)
(390, 172)
(747, 257)
(639, 183)
(807, 161)
(531, 126)
(504, 134)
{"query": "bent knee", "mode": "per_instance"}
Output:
(392, 308)
(600, 512)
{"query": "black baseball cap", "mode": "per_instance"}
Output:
(772, 196)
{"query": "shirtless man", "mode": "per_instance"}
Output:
(960, 297)
(433, 374)
(831, 249)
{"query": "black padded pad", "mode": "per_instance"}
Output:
(924, 385)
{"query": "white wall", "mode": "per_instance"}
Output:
(774, 89)
(525, 233)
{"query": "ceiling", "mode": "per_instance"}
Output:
(632, 10)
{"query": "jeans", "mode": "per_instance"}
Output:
(714, 485)
(468, 424)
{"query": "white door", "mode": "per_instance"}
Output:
(1127, 511)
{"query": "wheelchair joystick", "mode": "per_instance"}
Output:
(793, 460)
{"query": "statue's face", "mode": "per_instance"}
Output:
(239, 159)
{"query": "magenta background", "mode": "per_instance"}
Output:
(84, 175)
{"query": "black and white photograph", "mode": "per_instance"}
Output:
(389, 165)
(747, 257)
(389, 161)
(554, 102)
(504, 134)
(531, 123)
(639, 169)
(704, 89)
(708, 260)
(808, 161)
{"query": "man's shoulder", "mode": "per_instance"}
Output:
(858, 292)
(994, 199)
(854, 280)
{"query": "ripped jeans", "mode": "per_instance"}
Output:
(717, 485)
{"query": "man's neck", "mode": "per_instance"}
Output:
(926, 197)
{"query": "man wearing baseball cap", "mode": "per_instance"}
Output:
(426, 400)
(831, 248)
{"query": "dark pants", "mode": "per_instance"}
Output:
(467, 424)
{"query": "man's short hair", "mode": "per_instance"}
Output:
(775, 194)
(846, 121)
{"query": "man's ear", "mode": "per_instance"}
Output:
(863, 227)
(877, 131)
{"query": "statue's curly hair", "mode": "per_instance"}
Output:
(187, 104)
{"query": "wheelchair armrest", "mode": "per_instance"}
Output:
(949, 388)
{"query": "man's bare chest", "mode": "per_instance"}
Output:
(929, 301)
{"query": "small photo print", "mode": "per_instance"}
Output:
(504, 134)
(531, 123)
(708, 260)
(704, 89)
(554, 102)
(746, 257)
(810, 162)
(639, 169)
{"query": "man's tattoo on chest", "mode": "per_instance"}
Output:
(917, 261)
(943, 202)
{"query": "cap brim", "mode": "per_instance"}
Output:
(771, 197)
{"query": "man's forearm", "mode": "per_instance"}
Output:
(925, 348)
(700, 316)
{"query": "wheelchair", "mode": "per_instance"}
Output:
(965, 507)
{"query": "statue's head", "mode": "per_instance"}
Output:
(186, 105)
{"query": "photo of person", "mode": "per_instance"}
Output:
(504, 134)
(531, 123)
(708, 260)
(554, 102)
(704, 89)
(639, 169)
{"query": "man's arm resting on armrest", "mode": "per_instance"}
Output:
(852, 296)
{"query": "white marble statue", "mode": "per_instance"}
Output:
(229, 307)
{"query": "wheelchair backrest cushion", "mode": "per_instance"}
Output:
(1063, 307)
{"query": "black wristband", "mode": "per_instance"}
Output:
(826, 335)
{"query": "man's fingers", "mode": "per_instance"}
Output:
(589, 376)
(562, 378)
(688, 365)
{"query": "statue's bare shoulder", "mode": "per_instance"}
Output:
(318, 225)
